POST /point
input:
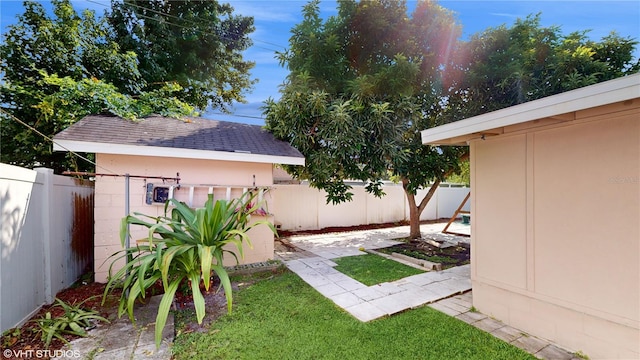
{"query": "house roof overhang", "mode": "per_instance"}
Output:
(140, 150)
(561, 107)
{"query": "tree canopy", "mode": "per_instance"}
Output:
(57, 69)
(361, 86)
(505, 66)
(197, 44)
(363, 83)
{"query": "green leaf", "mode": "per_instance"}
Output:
(226, 284)
(206, 260)
(198, 299)
(163, 310)
(192, 244)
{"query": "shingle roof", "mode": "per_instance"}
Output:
(165, 132)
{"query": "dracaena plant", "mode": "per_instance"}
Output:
(185, 245)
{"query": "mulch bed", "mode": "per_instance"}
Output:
(337, 229)
(448, 257)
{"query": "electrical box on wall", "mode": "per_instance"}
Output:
(157, 194)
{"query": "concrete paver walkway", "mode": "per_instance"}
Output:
(367, 303)
(447, 291)
(459, 306)
(371, 302)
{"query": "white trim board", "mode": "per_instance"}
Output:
(120, 149)
(605, 93)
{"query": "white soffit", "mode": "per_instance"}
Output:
(608, 92)
(120, 149)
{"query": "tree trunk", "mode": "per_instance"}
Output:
(415, 210)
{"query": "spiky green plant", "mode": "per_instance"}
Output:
(185, 244)
(74, 321)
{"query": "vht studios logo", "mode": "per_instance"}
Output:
(20, 354)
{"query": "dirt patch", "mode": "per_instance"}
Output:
(448, 257)
(215, 307)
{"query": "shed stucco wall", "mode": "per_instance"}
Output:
(110, 198)
(556, 234)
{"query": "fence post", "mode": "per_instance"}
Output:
(47, 229)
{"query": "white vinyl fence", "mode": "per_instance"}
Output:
(46, 238)
(300, 207)
(47, 228)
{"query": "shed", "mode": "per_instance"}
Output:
(225, 158)
(555, 215)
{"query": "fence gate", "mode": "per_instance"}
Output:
(82, 230)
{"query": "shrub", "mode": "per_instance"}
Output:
(184, 245)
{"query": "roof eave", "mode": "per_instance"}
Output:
(156, 151)
(460, 132)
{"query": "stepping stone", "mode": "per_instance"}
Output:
(365, 312)
(387, 288)
(489, 325)
(507, 333)
(471, 317)
(552, 352)
(367, 293)
(427, 278)
(350, 284)
(530, 344)
(451, 304)
(330, 289)
(420, 297)
(312, 277)
(462, 300)
(393, 303)
(444, 309)
(295, 265)
(346, 300)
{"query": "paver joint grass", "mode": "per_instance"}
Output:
(371, 269)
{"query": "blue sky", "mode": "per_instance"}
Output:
(274, 20)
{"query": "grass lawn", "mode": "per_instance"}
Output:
(371, 269)
(284, 318)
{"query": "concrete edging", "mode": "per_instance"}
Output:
(409, 261)
(424, 263)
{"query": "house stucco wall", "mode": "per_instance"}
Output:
(555, 230)
(110, 198)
